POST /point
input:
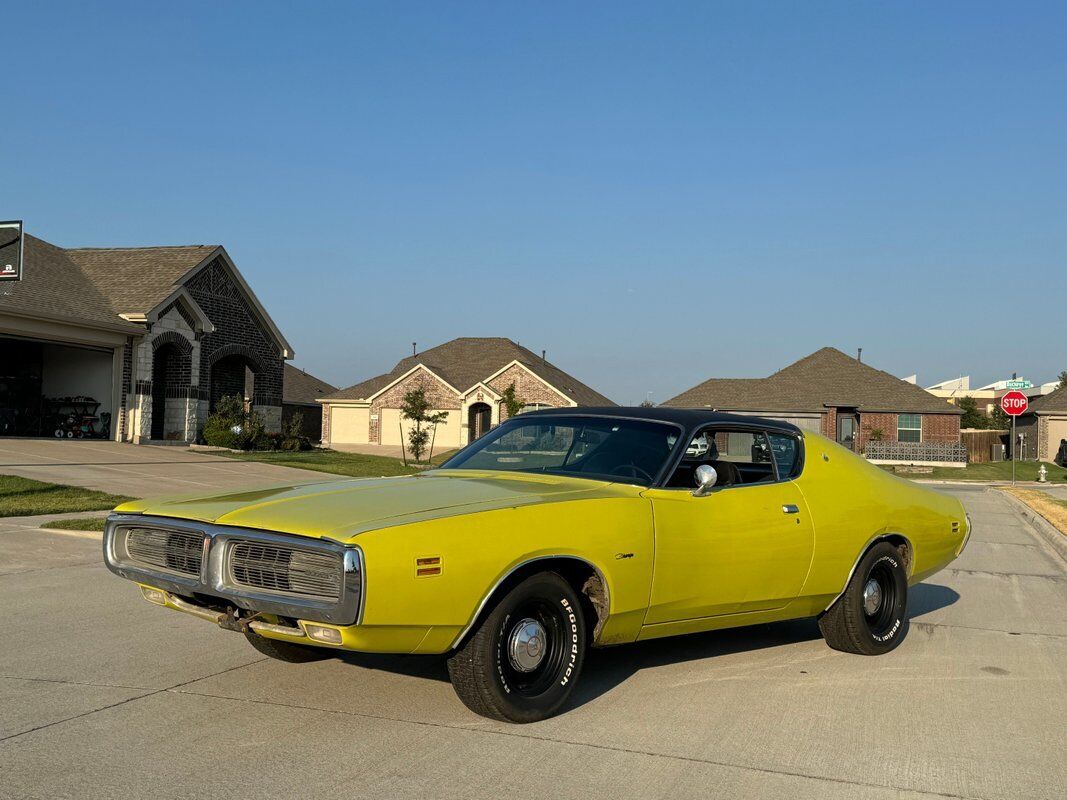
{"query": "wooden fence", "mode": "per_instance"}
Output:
(979, 443)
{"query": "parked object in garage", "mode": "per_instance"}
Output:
(558, 531)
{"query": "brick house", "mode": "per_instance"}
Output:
(300, 396)
(1044, 428)
(465, 378)
(154, 336)
(837, 395)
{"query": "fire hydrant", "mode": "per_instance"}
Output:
(1041, 474)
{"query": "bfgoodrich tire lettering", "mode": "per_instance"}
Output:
(871, 616)
(523, 660)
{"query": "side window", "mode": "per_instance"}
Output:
(786, 452)
(739, 457)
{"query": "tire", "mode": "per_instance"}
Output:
(854, 625)
(498, 676)
(287, 651)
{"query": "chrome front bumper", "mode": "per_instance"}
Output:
(215, 577)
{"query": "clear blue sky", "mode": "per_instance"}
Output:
(656, 194)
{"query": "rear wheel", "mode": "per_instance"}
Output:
(870, 617)
(523, 660)
(287, 651)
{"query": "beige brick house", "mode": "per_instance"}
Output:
(836, 395)
(464, 378)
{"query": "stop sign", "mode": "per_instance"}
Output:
(1014, 403)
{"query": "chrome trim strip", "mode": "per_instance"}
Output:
(348, 610)
(512, 571)
(863, 552)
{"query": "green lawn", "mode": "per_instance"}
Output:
(22, 497)
(356, 465)
(77, 524)
(992, 471)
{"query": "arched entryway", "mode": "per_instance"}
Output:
(479, 420)
(234, 374)
(170, 384)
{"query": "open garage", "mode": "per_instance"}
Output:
(132, 344)
(62, 390)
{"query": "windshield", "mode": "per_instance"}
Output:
(604, 448)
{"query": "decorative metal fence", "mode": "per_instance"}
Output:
(917, 452)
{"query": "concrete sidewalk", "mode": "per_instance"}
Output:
(138, 470)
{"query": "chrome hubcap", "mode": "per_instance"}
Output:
(527, 645)
(872, 597)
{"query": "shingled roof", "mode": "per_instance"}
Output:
(54, 286)
(466, 361)
(136, 279)
(95, 286)
(1051, 403)
(299, 388)
(825, 378)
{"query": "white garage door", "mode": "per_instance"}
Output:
(447, 432)
(349, 425)
(806, 422)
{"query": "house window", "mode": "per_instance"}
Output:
(909, 427)
(534, 407)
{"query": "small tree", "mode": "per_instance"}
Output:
(513, 404)
(1063, 380)
(972, 415)
(417, 409)
(876, 435)
(1001, 421)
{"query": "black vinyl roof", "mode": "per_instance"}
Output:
(688, 418)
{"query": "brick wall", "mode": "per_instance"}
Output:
(325, 434)
(886, 423)
(941, 427)
(438, 394)
(528, 388)
(829, 424)
(238, 332)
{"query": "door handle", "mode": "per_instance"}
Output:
(790, 509)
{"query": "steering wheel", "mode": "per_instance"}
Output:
(636, 471)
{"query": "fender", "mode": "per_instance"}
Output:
(863, 551)
(500, 581)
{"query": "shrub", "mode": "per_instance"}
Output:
(230, 425)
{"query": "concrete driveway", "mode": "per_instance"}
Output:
(104, 695)
(137, 470)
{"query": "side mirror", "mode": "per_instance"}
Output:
(706, 477)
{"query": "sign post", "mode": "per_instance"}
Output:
(1013, 404)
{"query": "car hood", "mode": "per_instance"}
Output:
(343, 508)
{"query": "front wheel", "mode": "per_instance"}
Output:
(870, 617)
(523, 660)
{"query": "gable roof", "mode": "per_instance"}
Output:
(467, 361)
(53, 286)
(136, 279)
(1051, 403)
(99, 286)
(300, 388)
(825, 378)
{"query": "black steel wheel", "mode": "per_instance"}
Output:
(524, 658)
(870, 617)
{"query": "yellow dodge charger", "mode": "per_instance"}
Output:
(558, 531)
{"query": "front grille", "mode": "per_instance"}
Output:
(279, 568)
(175, 551)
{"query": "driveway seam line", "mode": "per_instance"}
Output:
(632, 751)
(128, 700)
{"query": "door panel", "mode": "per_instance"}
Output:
(734, 550)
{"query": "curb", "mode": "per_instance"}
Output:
(1049, 532)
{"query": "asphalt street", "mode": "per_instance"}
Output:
(105, 696)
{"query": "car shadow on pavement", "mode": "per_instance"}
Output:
(607, 668)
